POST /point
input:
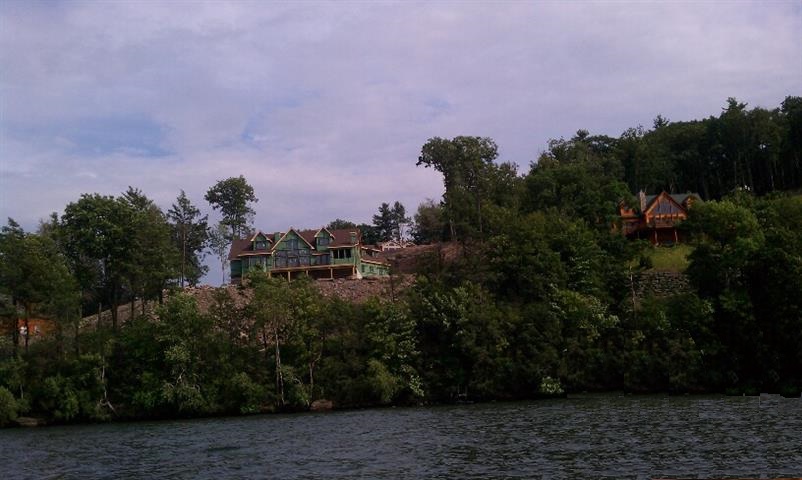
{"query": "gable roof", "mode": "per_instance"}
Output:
(339, 238)
(278, 241)
(257, 233)
(323, 229)
(651, 205)
(679, 198)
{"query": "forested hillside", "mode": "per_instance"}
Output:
(539, 301)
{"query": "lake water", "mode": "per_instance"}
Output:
(579, 437)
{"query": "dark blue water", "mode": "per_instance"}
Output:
(582, 437)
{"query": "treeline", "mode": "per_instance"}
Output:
(540, 299)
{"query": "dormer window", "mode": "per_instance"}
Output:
(260, 242)
(322, 241)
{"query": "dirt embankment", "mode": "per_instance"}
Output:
(412, 259)
(405, 262)
(350, 290)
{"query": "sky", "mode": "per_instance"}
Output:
(324, 106)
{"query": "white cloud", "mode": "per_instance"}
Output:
(324, 106)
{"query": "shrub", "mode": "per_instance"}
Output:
(8, 407)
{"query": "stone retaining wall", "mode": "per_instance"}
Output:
(661, 284)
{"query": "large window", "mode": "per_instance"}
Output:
(280, 258)
(292, 258)
(342, 253)
(666, 208)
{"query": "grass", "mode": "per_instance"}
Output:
(667, 259)
(673, 259)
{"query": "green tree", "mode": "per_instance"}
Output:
(190, 235)
(8, 407)
(219, 245)
(384, 222)
(429, 225)
(370, 234)
(340, 224)
(400, 220)
(464, 162)
(727, 239)
(153, 258)
(34, 274)
(98, 238)
(579, 178)
(280, 311)
(233, 197)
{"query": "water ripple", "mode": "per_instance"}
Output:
(586, 436)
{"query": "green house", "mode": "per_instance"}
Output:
(321, 253)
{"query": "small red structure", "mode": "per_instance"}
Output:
(658, 217)
(34, 329)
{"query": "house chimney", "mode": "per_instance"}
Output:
(353, 238)
(642, 200)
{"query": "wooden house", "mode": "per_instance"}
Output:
(657, 217)
(321, 253)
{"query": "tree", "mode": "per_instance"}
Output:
(400, 220)
(728, 238)
(580, 178)
(340, 224)
(384, 222)
(370, 234)
(98, 238)
(281, 311)
(153, 258)
(428, 226)
(34, 274)
(232, 197)
(218, 244)
(190, 235)
(463, 161)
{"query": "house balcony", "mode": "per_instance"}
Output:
(665, 222)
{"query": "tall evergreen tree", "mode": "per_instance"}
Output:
(384, 222)
(190, 235)
(400, 220)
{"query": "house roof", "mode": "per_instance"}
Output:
(677, 197)
(340, 238)
(239, 245)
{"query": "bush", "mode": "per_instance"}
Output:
(551, 386)
(8, 407)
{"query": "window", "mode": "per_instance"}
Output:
(281, 259)
(257, 262)
(342, 253)
(322, 241)
(666, 208)
(261, 245)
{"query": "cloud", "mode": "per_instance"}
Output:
(324, 106)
